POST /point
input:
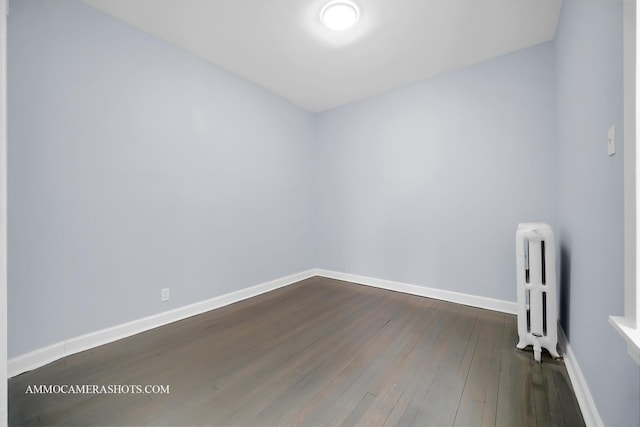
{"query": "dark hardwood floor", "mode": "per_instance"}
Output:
(317, 353)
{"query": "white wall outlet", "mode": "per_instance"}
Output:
(164, 294)
(611, 140)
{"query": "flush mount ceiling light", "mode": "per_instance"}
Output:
(339, 15)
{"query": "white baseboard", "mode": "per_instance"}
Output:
(456, 297)
(580, 387)
(71, 346)
(583, 395)
(45, 355)
(42, 356)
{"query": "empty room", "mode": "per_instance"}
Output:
(318, 212)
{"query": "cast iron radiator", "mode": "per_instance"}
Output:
(536, 276)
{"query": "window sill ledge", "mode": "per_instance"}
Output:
(630, 332)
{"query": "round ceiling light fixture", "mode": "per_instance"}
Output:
(339, 15)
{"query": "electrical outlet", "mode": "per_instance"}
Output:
(164, 294)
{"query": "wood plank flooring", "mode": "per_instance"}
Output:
(317, 353)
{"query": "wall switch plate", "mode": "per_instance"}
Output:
(164, 294)
(611, 140)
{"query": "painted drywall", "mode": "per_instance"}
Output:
(134, 166)
(590, 203)
(426, 184)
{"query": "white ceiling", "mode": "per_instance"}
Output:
(282, 46)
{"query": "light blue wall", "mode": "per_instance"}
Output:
(590, 203)
(135, 166)
(427, 184)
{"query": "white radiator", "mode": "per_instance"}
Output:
(536, 276)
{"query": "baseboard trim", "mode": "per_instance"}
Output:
(45, 355)
(450, 296)
(579, 383)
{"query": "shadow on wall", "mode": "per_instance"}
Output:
(565, 286)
